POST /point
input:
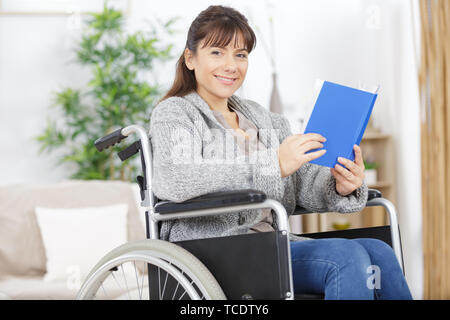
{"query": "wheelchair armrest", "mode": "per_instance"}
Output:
(372, 194)
(212, 200)
(229, 198)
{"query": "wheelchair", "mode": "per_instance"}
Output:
(237, 267)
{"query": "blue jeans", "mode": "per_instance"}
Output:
(348, 269)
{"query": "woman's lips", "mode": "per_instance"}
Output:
(226, 80)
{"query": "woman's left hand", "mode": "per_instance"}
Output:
(350, 179)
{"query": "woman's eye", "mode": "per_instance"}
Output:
(240, 55)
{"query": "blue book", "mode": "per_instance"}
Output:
(341, 115)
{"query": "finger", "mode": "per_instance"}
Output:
(358, 156)
(311, 136)
(350, 165)
(315, 136)
(346, 173)
(314, 155)
(311, 145)
(339, 177)
(353, 183)
(342, 181)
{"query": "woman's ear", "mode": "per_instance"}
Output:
(188, 59)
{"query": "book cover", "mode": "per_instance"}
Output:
(340, 114)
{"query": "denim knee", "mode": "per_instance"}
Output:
(392, 283)
(378, 250)
(348, 252)
(374, 244)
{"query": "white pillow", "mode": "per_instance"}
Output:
(76, 239)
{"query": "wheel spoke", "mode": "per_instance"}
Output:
(175, 292)
(142, 280)
(182, 295)
(159, 282)
(148, 280)
(164, 288)
(137, 281)
(185, 291)
(114, 277)
(104, 291)
(126, 283)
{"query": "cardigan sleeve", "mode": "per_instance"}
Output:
(180, 170)
(315, 186)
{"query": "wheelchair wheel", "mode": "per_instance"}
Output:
(150, 269)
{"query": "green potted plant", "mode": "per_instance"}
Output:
(116, 96)
(370, 172)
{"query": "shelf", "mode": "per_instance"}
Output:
(380, 184)
(375, 136)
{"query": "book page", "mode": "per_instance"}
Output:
(317, 87)
(369, 88)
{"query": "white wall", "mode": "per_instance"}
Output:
(349, 41)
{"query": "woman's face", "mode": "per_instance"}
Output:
(219, 71)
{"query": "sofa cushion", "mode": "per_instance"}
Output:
(33, 288)
(93, 232)
(22, 251)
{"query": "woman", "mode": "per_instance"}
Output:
(206, 139)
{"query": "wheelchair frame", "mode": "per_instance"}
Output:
(153, 217)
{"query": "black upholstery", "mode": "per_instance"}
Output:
(212, 200)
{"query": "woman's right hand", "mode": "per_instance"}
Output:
(291, 153)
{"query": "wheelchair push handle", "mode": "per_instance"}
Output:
(109, 140)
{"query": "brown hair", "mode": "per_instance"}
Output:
(218, 25)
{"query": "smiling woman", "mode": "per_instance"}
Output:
(219, 71)
(195, 154)
(222, 42)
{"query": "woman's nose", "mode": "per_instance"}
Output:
(230, 64)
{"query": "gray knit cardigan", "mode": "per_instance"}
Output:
(193, 154)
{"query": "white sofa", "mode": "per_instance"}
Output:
(23, 256)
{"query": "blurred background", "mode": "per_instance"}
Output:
(62, 85)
